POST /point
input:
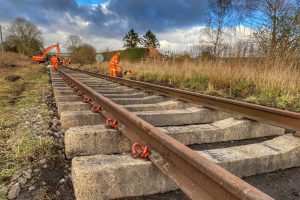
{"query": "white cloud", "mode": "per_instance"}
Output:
(183, 39)
(77, 20)
(104, 7)
(102, 44)
(180, 39)
(177, 40)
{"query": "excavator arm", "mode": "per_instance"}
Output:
(45, 51)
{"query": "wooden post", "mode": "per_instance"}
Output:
(1, 39)
(99, 66)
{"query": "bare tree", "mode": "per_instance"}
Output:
(73, 42)
(24, 36)
(278, 25)
(220, 12)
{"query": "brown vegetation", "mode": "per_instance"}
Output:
(273, 83)
(9, 59)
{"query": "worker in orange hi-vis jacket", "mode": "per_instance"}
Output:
(114, 68)
(63, 62)
(54, 61)
(68, 61)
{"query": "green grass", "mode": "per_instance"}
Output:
(18, 147)
(3, 192)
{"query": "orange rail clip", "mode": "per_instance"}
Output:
(87, 100)
(140, 151)
(111, 123)
(80, 93)
(76, 89)
(96, 108)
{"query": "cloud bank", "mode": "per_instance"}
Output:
(103, 23)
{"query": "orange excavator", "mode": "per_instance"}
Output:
(42, 57)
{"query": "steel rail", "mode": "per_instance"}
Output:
(280, 118)
(198, 177)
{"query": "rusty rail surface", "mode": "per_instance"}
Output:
(280, 118)
(198, 177)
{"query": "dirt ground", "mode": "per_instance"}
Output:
(281, 185)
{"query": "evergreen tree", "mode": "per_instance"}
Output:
(131, 39)
(149, 39)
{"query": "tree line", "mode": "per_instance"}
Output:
(132, 39)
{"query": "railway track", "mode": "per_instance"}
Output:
(170, 122)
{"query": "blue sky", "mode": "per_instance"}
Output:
(103, 23)
(89, 2)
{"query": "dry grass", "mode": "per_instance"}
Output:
(273, 83)
(13, 59)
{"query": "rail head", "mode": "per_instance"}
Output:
(277, 117)
(198, 177)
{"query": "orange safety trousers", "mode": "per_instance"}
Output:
(54, 65)
(114, 70)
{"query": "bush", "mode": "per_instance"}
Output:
(134, 54)
(130, 54)
(85, 54)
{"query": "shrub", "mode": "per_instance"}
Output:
(134, 54)
(130, 54)
(85, 54)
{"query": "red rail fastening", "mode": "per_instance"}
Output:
(76, 89)
(111, 123)
(80, 93)
(87, 100)
(140, 151)
(96, 109)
